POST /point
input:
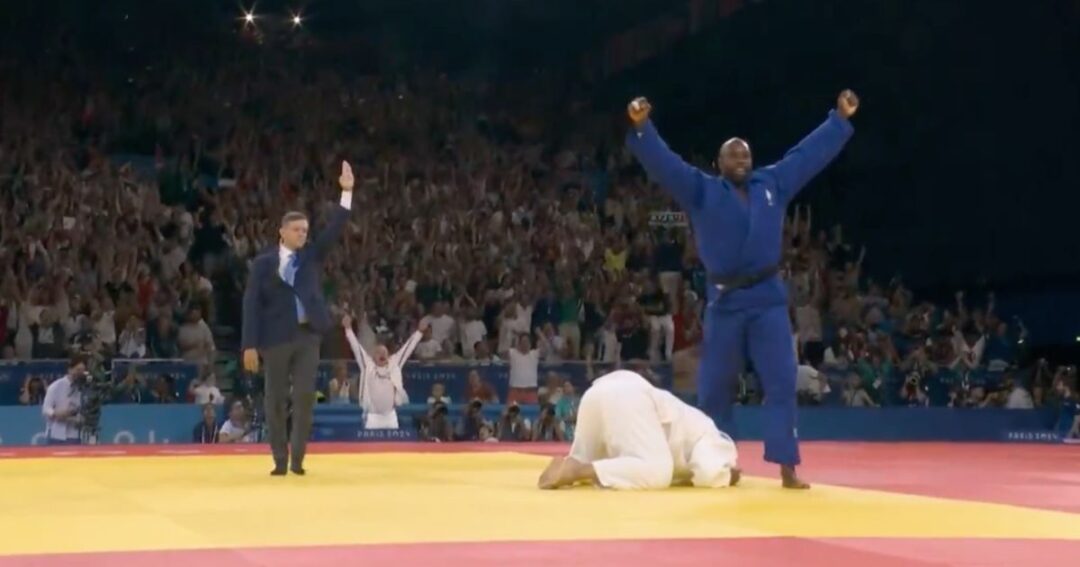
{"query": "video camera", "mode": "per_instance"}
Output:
(96, 387)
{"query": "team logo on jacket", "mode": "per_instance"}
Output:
(768, 197)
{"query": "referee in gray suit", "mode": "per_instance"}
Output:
(285, 316)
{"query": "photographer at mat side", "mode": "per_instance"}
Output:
(436, 426)
(63, 404)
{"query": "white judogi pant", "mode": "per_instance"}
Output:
(640, 437)
(386, 420)
(661, 328)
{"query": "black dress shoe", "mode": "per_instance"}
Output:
(298, 471)
(278, 471)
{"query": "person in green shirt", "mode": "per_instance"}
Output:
(566, 409)
(569, 314)
(875, 372)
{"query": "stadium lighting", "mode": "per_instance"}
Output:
(248, 15)
(296, 19)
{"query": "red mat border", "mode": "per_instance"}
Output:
(804, 552)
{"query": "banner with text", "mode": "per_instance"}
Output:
(174, 423)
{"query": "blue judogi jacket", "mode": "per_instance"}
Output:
(736, 237)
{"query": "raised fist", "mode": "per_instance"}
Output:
(847, 103)
(639, 110)
(346, 180)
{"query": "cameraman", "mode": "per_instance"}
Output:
(439, 428)
(238, 428)
(512, 427)
(911, 393)
(472, 423)
(131, 389)
(63, 401)
(548, 427)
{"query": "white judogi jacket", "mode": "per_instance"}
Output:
(382, 387)
(639, 436)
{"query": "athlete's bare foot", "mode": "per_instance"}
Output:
(790, 479)
(566, 471)
(736, 476)
(574, 471)
(550, 476)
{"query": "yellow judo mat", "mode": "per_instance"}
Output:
(212, 502)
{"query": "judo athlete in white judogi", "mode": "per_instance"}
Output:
(382, 387)
(632, 435)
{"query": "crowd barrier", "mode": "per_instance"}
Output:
(419, 377)
(155, 424)
(124, 424)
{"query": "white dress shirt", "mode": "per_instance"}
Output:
(284, 257)
(60, 396)
(284, 254)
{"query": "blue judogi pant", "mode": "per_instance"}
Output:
(762, 335)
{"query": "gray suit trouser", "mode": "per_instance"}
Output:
(290, 369)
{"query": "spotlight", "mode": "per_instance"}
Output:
(296, 20)
(249, 17)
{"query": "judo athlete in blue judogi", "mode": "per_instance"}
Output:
(738, 220)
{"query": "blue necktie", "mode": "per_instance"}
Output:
(290, 278)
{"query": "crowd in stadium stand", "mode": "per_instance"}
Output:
(130, 210)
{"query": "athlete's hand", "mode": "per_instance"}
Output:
(639, 110)
(251, 360)
(847, 103)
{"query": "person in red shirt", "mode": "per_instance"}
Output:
(687, 324)
(145, 289)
